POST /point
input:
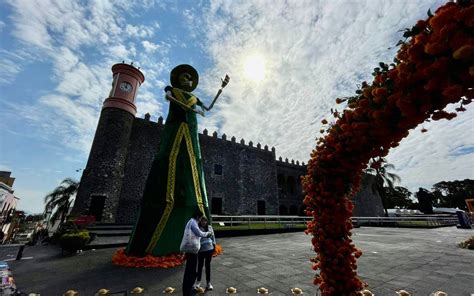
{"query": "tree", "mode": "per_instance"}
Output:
(425, 200)
(59, 201)
(398, 197)
(380, 168)
(34, 218)
(452, 194)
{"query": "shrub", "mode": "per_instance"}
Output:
(66, 227)
(74, 241)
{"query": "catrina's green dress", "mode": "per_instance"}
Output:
(175, 185)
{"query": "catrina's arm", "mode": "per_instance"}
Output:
(225, 81)
(201, 104)
(169, 97)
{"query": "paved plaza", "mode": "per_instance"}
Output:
(418, 260)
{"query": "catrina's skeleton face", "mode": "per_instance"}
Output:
(185, 80)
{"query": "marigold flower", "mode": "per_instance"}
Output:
(465, 52)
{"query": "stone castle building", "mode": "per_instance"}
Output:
(241, 178)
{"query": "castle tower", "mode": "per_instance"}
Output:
(101, 181)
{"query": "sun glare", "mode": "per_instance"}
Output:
(254, 68)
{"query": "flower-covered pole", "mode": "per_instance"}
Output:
(433, 68)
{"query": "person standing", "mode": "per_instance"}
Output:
(190, 245)
(208, 244)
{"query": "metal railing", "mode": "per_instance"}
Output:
(282, 222)
(409, 221)
(259, 222)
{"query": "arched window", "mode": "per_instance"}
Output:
(281, 183)
(291, 184)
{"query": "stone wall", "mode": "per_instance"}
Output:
(290, 191)
(248, 175)
(142, 148)
(367, 202)
(103, 175)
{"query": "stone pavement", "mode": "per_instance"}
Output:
(418, 260)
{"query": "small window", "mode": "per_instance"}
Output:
(216, 206)
(217, 169)
(261, 207)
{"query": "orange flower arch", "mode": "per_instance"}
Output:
(433, 68)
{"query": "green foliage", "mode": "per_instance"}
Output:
(452, 194)
(67, 227)
(74, 241)
(425, 201)
(34, 218)
(397, 197)
(59, 201)
(383, 178)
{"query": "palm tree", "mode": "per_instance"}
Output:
(59, 201)
(380, 168)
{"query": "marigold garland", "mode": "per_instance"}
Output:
(172, 260)
(433, 68)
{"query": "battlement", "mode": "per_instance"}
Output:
(291, 163)
(241, 143)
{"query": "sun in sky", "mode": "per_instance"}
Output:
(254, 67)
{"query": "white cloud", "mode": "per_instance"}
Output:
(423, 159)
(139, 31)
(119, 51)
(8, 70)
(150, 47)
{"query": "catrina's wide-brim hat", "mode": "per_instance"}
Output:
(184, 68)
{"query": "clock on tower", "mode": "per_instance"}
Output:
(126, 81)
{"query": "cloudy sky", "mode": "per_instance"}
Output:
(288, 62)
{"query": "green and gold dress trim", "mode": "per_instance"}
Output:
(183, 132)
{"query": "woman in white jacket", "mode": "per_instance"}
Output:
(190, 245)
(208, 244)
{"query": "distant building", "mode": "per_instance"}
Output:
(241, 178)
(8, 202)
